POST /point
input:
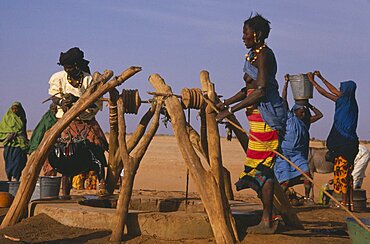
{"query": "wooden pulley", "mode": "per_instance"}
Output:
(192, 98)
(131, 101)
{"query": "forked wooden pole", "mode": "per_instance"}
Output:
(115, 160)
(131, 165)
(204, 180)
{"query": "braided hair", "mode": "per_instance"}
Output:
(259, 24)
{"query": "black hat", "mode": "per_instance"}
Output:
(72, 56)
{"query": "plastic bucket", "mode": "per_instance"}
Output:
(6, 199)
(301, 86)
(356, 232)
(49, 186)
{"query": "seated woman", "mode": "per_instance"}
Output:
(295, 144)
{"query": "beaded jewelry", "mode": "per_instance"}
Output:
(78, 82)
(252, 54)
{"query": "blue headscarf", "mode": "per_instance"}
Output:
(346, 111)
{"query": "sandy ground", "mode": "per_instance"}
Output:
(162, 169)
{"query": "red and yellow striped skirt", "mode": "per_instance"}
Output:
(258, 167)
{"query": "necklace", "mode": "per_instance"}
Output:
(78, 81)
(252, 54)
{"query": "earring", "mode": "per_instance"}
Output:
(255, 38)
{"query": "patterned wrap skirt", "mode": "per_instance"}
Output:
(260, 160)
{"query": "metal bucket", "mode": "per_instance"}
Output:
(36, 192)
(13, 187)
(301, 86)
(49, 186)
(359, 200)
(4, 186)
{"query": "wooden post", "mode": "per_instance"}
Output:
(206, 85)
(214, 149)
(114, 163)
(115, 160)
(205, 181)
(32, 170)
(131, 164)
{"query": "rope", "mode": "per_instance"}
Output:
(291, 163)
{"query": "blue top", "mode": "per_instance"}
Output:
(294, 147)
(271, 106)
(344, 126)
(296, 137)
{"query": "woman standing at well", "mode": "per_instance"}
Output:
(342, 141)
(266, 114)
(13, 135)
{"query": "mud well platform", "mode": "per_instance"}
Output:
(165, 215)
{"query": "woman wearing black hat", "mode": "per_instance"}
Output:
(67, 86)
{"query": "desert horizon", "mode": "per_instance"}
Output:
(162, 167)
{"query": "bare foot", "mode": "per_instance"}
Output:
(264, 227)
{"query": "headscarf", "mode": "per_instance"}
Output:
(346, 111)
(12, 123)
(74, 56)
(297, 106)
(46, 122)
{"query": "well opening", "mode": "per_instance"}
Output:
(149, 203)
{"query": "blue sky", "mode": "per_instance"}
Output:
(178, 39)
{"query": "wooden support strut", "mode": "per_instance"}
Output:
(292, 164)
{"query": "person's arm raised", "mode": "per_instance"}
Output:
(331, 88)
(318, 115)
(321, 90)
(284, 93)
